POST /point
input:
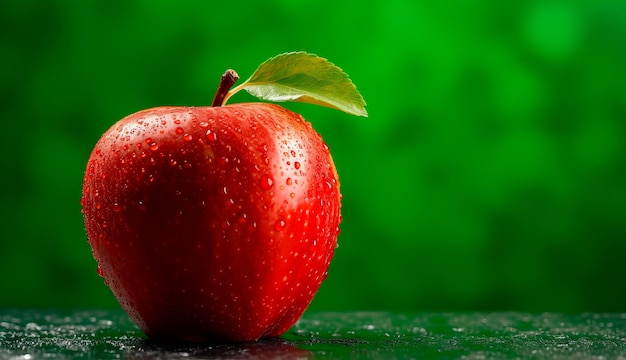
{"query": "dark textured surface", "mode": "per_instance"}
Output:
(27, 334)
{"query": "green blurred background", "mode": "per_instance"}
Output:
(490, 174)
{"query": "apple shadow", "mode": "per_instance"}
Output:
(272, 348)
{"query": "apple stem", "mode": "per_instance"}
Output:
(229, 79)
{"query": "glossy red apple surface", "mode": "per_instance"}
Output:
(212, 223)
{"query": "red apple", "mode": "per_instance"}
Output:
(213, 223)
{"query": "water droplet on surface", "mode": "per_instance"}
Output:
(266, 182)
(289, 181)
(187, 137)
(179, 130)
(292, 195)
(117, 207)
(296, 165)
(154, 146)
(293, 153)
(279, 225)
(211, 136)
(100, 272)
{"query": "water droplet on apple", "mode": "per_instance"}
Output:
(266, 182)
(242, 218)
(154, 146)
(289, 181)
(179, 130)
(187, 137)
(279, 225)
(100, 272)
(117, 207)
(296, 165)
(211, 136)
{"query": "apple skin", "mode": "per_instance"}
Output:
(212, 223)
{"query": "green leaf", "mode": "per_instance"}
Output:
(304, 77)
